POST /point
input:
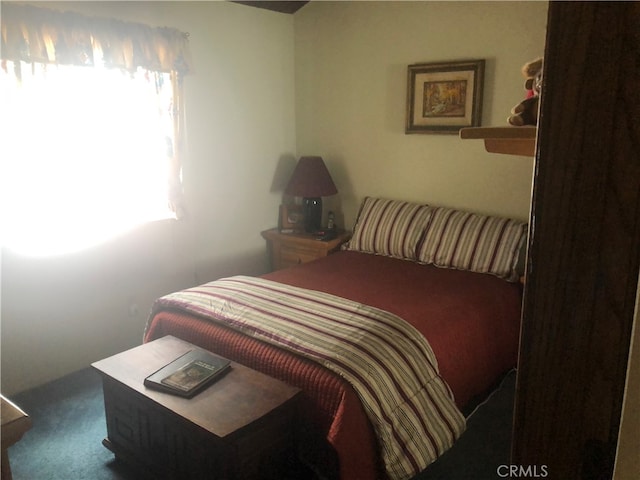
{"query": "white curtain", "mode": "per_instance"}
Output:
(90, 124)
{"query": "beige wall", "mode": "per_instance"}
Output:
(60, 314)
(346, 63)
(351, 75)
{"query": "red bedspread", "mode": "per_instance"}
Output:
(471, 321)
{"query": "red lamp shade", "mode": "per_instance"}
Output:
(311, 180)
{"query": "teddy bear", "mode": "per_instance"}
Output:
(526, 112)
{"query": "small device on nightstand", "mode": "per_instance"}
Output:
(325, 235)
(330, 233)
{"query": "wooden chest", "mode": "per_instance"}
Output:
(240, 427)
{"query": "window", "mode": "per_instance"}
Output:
(88, 128)
(86, 154)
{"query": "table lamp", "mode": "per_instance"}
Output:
(311, 181)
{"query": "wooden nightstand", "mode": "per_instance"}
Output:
(289, 249)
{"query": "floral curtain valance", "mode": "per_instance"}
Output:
(33, 34)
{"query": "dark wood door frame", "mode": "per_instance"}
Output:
(584, 245)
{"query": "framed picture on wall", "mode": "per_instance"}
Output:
(444, 97)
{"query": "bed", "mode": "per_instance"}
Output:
(446, 276)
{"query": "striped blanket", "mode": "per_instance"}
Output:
(389, 364)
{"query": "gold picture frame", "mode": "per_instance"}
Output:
(291, 219)
(444, 97)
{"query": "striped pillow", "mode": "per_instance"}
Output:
(389, 227)
(478, 243)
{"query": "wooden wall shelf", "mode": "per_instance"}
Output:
(509, 140)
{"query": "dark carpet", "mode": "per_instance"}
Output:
(69, 425)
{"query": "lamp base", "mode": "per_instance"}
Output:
(312, 214)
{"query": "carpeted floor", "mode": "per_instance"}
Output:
(69, 425)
